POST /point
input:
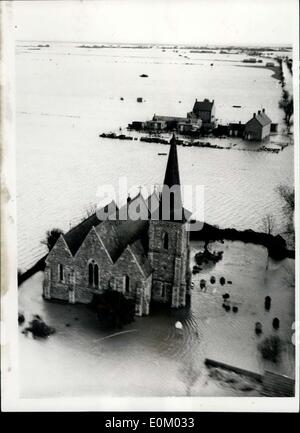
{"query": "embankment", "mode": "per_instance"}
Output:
(276, 245)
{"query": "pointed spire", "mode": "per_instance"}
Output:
(172, 170)
(171, 204)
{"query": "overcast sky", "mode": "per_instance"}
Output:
(157, 21)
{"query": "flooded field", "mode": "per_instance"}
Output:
(66, 96)
(153, 358)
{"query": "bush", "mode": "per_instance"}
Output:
(21, 318)
(51, 238)
(39, 328)
(113, 309)
(270, 348)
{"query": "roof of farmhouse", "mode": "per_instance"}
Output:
(261, 117)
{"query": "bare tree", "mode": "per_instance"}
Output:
(51, 238)
(89, 211)
(268, 223)
(288, 197)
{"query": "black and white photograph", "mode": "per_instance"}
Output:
(150, 170)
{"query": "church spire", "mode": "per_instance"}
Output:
(172, 170)
(172, 203)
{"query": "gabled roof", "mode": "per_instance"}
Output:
(77, 234)
(117, 235)
(261, 118)
(138, 251)
(204, 105)
(265, 117)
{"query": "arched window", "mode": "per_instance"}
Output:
(61, 272)
(93, 273)
(126, 284)
(96, 275)
(91, 276)
(165, 241)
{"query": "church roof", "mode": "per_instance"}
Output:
(139, 253)
(117, 235)
(76, 235)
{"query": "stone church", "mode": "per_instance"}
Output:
(147, 259)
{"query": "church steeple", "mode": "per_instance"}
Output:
(172, 203)
(172, 170)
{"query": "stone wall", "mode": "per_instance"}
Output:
(170, 265)
(75, 286)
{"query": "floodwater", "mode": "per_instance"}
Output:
(153, 358)
(66, 96)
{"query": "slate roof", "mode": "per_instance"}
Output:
(76, 235)
(117, 235)
(261, 118)
(139, 253)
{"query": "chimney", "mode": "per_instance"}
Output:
(254, 114)
(258, 112)
(263, 110)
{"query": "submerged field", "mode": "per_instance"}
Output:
(67, 96)
(152, 357)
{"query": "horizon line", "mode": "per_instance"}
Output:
(171, 44)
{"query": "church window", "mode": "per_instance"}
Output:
(126, 284)
(91, 277)
(93, 273)
(165, 241)
(61, 272)
(96, 275)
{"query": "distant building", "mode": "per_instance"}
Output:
(156, 125)
(259, 127)
(189, 126)
(170, 121)
(204, 110)
(250, 60)
(137, 125)
(236, 129)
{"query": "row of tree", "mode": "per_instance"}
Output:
(286, 102)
